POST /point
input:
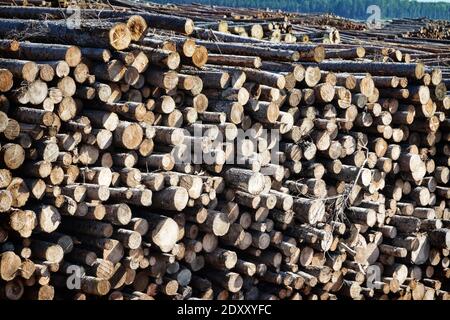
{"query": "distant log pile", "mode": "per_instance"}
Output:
(423, 28)
(144, 156)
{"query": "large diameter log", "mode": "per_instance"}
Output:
(48, 52)
(136, 24)
(117, 36)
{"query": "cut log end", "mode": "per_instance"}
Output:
(165, 234)
(6, 80)
(137, 26)
(73, 56)
(120, 36)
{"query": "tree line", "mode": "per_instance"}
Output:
(354, 9)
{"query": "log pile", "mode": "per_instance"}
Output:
(124, 173)
(421, 28)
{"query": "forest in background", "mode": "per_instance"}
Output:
(354, 9)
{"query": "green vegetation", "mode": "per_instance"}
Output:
(355, 9)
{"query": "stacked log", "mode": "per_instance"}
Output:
(158, 164)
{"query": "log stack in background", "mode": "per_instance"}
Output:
(350, 201)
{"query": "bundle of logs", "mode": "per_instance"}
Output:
(274, 26)
(114, 183)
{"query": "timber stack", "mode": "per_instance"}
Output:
(144, 156)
